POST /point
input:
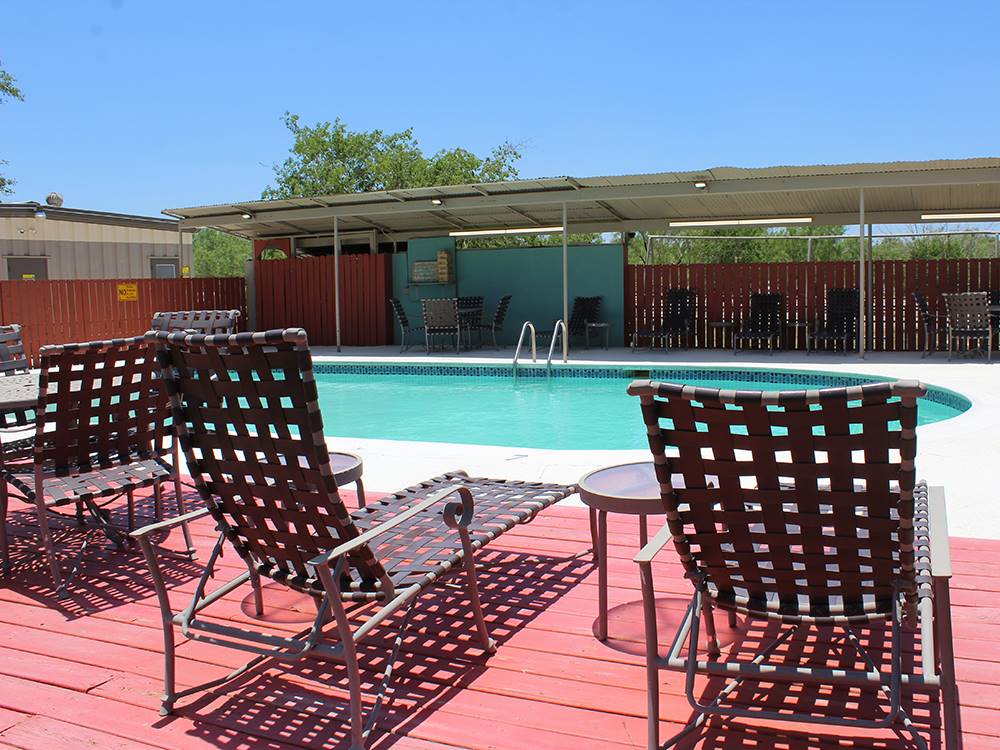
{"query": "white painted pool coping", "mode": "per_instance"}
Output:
(960, 453)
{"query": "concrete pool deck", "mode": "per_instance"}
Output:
(959, 454)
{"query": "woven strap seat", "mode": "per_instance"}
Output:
(16, 451)
(90, 485)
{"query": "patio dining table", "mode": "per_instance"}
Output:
(18, 394)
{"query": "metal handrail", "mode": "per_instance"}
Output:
(528, 325)
(552, 345)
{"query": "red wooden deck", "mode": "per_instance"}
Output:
(86, 670)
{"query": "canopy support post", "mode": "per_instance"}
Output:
(336, 278)
(862, 318)
(565, 270)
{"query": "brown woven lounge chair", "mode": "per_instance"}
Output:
(969, 320)
(245, 409)
(99, 434)
(789, 515)
(197, 321)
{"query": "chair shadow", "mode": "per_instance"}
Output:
(106, 577)
(304, 703)
(817, 646)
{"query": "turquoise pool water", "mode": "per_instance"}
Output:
(592, 413)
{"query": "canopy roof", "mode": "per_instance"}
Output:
(894, 192)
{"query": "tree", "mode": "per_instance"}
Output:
(8, 90)
(219, 254)
(327, 158)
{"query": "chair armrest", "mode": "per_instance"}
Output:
(328, 558)
(937, 523)
(168, 523)
(653, 546)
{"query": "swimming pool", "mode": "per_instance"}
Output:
(583, 408)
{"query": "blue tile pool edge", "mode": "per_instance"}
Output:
(937, 394)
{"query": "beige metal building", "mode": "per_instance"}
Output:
(48, 241)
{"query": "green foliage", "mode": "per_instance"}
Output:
(526, 240)
(327, 158)
(219, 254)
(8, 90)
(770, 246)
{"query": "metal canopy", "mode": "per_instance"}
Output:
(896, 192)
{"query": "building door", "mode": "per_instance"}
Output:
(28, 269)
(164, 268)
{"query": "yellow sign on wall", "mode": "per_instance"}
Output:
(128, 292)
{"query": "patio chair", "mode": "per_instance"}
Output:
(582, 320)
(678, 319)
(779, 520)
(197, 321)
(404, 324)
(498, 318)
(470, 316)
(441, 318)
(968, 319)
(100, 433)
(13, 361)
(765, 321)
(265, 477)
(842, 311)
(929, 322)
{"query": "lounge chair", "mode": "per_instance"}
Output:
(929, 322)
(404, 324)
(252, 433)
(765, 321)
(968, 320)
(441, 318)
(582, 320)
(197, 321)
(779, 520)
(678, 319)
(470, 316)
(498, 318)
(100, 433)
(842, 311)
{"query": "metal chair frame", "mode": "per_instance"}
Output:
(403, 320)
(764, 550)
(285, 519)
(968, 320)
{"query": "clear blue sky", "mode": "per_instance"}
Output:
(138, 106)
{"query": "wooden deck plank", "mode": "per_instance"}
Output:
(550, 685)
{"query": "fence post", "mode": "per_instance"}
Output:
(251, 292)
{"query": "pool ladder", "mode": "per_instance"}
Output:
(558, 330)
(528, 326)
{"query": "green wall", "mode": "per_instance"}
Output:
(532, 275)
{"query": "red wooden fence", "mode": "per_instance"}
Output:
(57, 312)
(724, 293)
(300, 292)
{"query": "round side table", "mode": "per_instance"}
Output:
(631, 489)
(348, 467)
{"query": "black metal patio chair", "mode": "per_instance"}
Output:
(677, 321)
(799, 509)
(930, 323)
(246, 412)
(441, 318)
(405, 327)
(765, 322)
(841, 324)
(496, 323)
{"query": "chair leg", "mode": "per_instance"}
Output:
(472, 590)
(47, 546)
(130, 495)
(158, 501)
(652, 658)
(360, 487)
(179, 498)
(946, 655)
(258, 593)
(4, 549)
